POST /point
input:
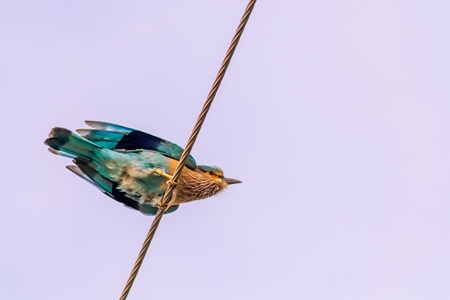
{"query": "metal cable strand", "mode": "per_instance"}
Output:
(187, 150)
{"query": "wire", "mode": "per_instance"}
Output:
(187, 150)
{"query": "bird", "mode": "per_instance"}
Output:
(134, 167)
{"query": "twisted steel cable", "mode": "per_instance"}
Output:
(172, 183)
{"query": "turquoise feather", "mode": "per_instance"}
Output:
(113, 136)
(133, 167)
(103, 185)
(104, 167)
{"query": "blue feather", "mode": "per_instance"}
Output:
(114, 136)
(89, 157)
(108, 126)
(63, 140)
(77, 171)
(85, 171)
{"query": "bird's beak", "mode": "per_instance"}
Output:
(231, 181)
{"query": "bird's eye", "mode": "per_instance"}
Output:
(211, 172)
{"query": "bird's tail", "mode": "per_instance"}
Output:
(64, 142)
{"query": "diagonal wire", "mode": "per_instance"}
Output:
(187, 150)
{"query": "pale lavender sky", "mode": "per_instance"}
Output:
(334, 114)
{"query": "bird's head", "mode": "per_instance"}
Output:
(203, 183)
(217, 174)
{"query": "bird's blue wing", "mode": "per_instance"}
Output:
(110, 189)
(114, 136)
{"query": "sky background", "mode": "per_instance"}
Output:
(334, 114)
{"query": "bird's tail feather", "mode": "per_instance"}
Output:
(66, 143)
(89, 170)
(106, 187)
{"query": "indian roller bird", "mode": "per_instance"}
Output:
(133, 167)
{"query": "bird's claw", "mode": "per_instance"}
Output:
(164, 174)
(171, 182)
(163, 207)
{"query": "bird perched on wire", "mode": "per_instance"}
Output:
(133, 167)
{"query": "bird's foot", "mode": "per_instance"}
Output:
(164, 207)
(164, 174)
(171, 182)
